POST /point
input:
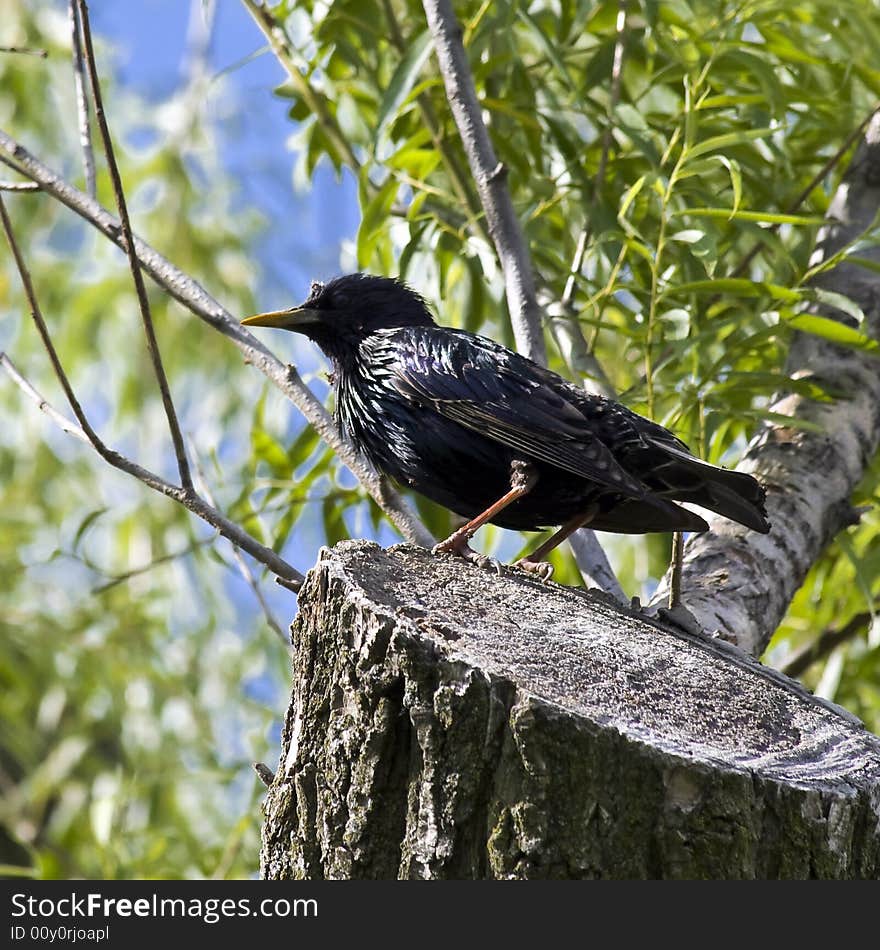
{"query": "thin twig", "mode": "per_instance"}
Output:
(675, 570)
(273, 32)
(491, 179)
(114, 580)
(25, 51)
(264, 773)
(82, 100)
(827, 641)
(128, 236)
(19, 186)
(68, 425)
(196, 299)
(189, 499)
(577, 353)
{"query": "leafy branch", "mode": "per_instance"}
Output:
(184, 495)
(195, 298)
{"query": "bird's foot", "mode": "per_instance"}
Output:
(542, 569)
(460, 548)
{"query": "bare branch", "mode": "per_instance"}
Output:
(196, 299)
(491, 180)
(739, 582)
(186, 497)
(128, 239)
(25, 51)
(19, 186)
(82, 99)
(42, 404)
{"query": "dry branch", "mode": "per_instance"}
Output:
(82, 99)
(186, 496)
(128, 243)
(196, 299)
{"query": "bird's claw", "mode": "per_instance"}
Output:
(486, 561)
(541, 569)
(464, 550)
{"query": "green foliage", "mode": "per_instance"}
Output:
(133, 697)
(134, 692)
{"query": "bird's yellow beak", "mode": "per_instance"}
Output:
(291, 319)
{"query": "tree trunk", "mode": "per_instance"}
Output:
(449, 722)
(736, 581)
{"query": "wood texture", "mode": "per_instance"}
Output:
(450, 722)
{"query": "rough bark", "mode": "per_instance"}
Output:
(449, 722)
(740, 583)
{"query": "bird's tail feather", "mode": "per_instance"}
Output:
(735, 495)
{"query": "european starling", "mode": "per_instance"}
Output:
(495, 437)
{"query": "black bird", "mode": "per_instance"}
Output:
(495, 437)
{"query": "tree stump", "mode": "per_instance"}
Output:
(450, 722)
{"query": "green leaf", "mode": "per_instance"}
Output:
(738, 287)
(833, 331)
(837, 301)
(733, 169)
(374, 217)
(678, 320)
(628, 198)
(728, 140)
(416, 162)
(268, 450)
(549, 47)
(85, 524)
(402, 81)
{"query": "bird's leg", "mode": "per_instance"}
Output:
(523, 479)
(675, 572)
(534, 563)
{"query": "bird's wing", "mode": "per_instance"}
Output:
(497, 393)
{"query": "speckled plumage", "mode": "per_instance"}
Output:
(446, 413)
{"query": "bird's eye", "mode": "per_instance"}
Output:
(340, 300)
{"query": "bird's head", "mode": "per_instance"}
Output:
(340, 314)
